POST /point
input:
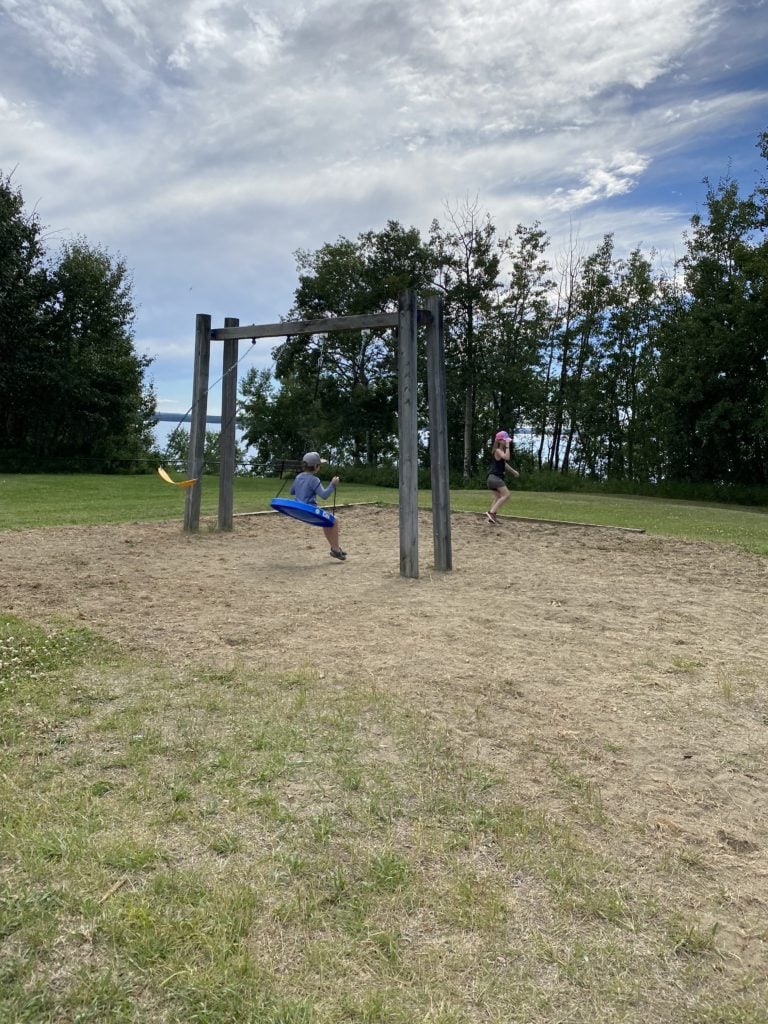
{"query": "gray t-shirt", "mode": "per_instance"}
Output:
(306, 487)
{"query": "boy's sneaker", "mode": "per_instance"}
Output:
(338, 553)
(491, 517)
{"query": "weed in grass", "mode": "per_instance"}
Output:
(100, 788)
(271, 809)
(130, 855)
(352, 780)
(387, 872)
(387, 945)
(590, 797)
(382, 808)
(100, 998)
(23, 909)
(690, 940)
(582, 888)
(475, 902)
(368, 1008)
(726, 687)
(225, 844)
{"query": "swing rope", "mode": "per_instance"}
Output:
(163, 472)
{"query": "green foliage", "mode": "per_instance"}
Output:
(72, 389)
(619, 372)
(713, 384)
(176, 452)
(337, 392)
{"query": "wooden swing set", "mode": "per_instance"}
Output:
(406, 321)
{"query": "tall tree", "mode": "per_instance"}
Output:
(560, 352)
(510, 390)
(714, 361)
(24, 288)
(594, 298)
(72, 388)
(468, 260)
(616, 432)
(100, 409)
(346, 382)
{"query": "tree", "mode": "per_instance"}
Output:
(102, 411)
(511, 391)
(277, 422)
(582, 303)
(24, 288)
(713, 374)
(468, 260)
(176, 452)
(344, 384)
(66, 348)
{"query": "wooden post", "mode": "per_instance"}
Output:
(407, 422)
(198, 422)
(228, 424)
(438, 437)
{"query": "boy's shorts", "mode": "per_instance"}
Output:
(494, 483)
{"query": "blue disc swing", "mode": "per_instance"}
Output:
(313, 515)
(303, 511)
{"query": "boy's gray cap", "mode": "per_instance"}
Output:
(312, 459)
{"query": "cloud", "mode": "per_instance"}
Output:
(207, 139)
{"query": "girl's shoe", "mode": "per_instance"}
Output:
(491, 517)
(338, 553)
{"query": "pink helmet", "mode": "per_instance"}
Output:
(502, 436)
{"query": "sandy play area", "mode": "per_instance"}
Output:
(642, 662)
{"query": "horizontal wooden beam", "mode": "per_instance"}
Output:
(323, 325)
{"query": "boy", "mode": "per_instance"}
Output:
(306, 487)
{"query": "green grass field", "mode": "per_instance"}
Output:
(32, 501)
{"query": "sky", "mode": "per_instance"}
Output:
(206, 141)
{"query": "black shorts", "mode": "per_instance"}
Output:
(494, 483)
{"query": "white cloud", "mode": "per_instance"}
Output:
(601, 179)
(207, 139)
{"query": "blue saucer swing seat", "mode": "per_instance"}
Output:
(313, 515)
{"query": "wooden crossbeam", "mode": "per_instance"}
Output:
(322, 325)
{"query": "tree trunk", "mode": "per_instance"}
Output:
(469, 418)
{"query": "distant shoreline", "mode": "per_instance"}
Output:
(174, 417)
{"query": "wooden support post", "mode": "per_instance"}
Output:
(198, 422)
(438, 437)
(228, 425)
(407, 422)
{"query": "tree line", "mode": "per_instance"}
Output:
(611, 367)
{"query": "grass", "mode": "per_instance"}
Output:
(188, 845)
(193, 846)
(60, 500)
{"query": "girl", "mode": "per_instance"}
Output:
(499, 466)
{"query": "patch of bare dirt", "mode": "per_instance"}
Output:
(637, 663)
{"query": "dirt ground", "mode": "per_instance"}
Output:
(639, 663)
